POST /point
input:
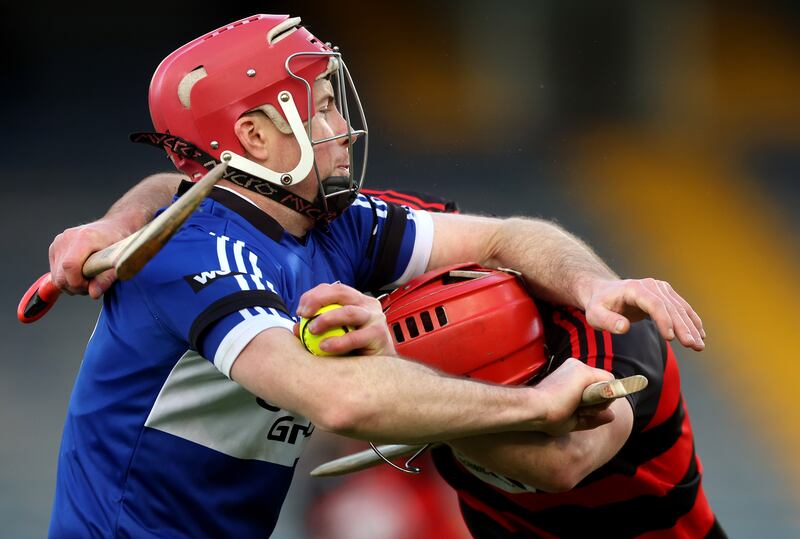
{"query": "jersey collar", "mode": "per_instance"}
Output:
(244, 207)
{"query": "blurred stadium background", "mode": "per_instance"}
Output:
(665, 133)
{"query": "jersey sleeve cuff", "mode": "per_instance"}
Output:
(241, 335)
(423, 245)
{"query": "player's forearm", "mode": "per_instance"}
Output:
(552, 464)
(137, 206)
(532, 458)
(380, 398)
(392, 400)
(557, 266)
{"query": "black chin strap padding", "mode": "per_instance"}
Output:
(317, 211)
(338, 194)
(335, 184)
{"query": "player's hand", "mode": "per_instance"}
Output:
(562, 389)
(71, 248)
(614, 304)
(371, 336)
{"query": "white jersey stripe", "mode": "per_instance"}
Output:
(224, 265)
(237, 255)
(222, 255)
(380, 207)
(257, 279)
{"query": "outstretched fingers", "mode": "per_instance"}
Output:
(615, 304)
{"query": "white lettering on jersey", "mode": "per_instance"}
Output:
(207, 276)
(487, 476)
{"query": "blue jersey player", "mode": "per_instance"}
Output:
(194, 399)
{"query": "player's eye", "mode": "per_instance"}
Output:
(326, 106)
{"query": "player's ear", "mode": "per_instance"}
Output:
(250, 129)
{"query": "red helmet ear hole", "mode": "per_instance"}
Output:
(427, 323)
(398, 333)
(441, 315)
(411, 324)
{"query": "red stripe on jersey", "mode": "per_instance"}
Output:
(654, 478)
(503, 518)
(695, 523)
(670, 391)
(570, 328)
(478, 505)
(609, 351)
(404, 199)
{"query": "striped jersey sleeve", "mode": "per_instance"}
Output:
(387, 243)
(214, 292)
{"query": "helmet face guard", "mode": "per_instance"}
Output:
(344, 91)
(468, 320)
(336, 193)
(262, 62)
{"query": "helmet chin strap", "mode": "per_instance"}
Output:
(304, 164)
(334, 197)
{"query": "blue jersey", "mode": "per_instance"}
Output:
(158, 440)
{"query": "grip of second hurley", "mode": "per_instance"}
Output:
(39, 298)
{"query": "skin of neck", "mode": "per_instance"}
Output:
(294, 223)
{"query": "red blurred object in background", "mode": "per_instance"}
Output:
(382, 503)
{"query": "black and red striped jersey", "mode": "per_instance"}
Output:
(414, 199)
(651, 489)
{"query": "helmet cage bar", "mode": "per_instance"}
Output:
(342, 82)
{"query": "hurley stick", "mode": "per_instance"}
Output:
(127, 256)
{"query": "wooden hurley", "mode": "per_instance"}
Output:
(129, 255)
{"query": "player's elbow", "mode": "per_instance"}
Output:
(348, 415)
(563, 474)
(561, 480)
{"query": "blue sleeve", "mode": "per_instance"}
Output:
(387, 244)
(214, 292)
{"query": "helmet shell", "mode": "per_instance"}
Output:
(471, 321)
(243, 70)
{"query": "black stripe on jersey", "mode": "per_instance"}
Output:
(394, 226)
(230, 304)
(481, 526)
(641, 448)
(255, 216)
(642, 351)
(601, 349)
(556, 337)
(581, 332)
(627, 518)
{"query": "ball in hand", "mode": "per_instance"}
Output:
(311, 341)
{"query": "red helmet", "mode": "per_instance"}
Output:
(266, 62)
(471, 321)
